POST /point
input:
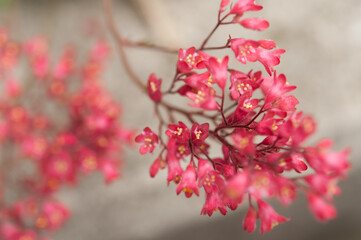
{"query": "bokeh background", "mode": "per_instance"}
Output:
(323, 51)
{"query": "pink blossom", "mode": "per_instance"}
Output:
(199, 133)
(249, 221)
(255, 23)
(188, 59)
(175, 170)
(179, 132)
(213, 203)
(218, 70)
(149, 140)
(269, 218)
(320, 208)
(154, 85)
(243, 6)
(203, 97)
(188, 182)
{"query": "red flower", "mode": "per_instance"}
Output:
(244, 141)
(213, 203)
(323, 184)
(188, 183)
(321, 209)
(223, 4)
(274, 87)
(245, 104)
(110, 169)
(149, 140)
(155, 167)
(245, 50)
(242, 83)
(249, 221)
(269, 218)
(243, 6)
(218, 70)
(199, 133)
(286, 190)
(269, 58)
(195, 80)
(250, 50)
(204, 167)
(53, 216)
(237, 186)
(203, 97)
(188, 59)
(179, 132)
(154, 88)
(325, 161)
(175, 170)
(255, 23)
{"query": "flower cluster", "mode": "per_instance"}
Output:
(56, 125)
(259, 134)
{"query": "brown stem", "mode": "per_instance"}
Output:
(212, 32)
(111, 25)
(148, 45)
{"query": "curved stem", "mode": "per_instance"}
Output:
(111, 25)
(151, 46)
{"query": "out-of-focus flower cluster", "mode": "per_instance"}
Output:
(260, 134)
(56, 124)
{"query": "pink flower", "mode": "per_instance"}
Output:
(242, 83)
(12, 88)
(53, 216)
(188, 59)
(243, 6)
(35, 147)
(88, 160)
(244, 141)
(274, 87)
(286, 190)
(321, 209)
(245, 50)
(237, 186)
(203, 97)
(269, 218)
(204, 167)
(154, 88)
(250, 50)
(323, 184)
(218, 70)
(297, 128)
(325, 161)
(110, 169)
(149, 140)
(223, 4)
(175, 170)
(179, 132)
(213, 203)
(245, 104)
(269, 58)
(199, 133)
(188, 183)
(249, 221)
(60, 166)
(262, 184)
(255, 24)
(195, 80)
(286, 103)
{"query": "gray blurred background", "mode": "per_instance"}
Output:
(323, 50)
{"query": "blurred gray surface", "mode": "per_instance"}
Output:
(323, 49)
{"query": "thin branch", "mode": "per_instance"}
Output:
(115, 33)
